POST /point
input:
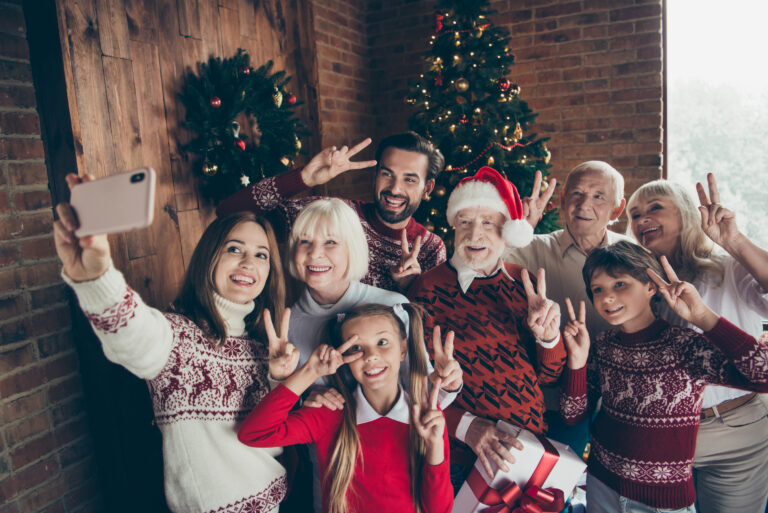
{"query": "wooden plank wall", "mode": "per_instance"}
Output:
(124, 62)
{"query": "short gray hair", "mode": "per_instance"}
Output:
(335, 218)
(604, 168)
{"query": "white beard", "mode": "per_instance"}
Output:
(478, 265)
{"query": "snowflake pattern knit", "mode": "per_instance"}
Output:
(651, 383)
(200, 394)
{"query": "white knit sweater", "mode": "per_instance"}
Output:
(200, 394)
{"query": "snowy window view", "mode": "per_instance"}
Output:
(718, 104)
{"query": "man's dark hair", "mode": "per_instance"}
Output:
(621, 258)
(411, 141)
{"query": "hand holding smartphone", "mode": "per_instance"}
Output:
(116, 203)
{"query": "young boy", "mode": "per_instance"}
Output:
(651, 377)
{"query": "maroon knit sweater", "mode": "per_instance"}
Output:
(502, 363)
(651, 383)
(269, 197)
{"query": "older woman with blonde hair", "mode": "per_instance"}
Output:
(731, 459)
(328, 254)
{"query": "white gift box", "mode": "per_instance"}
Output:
(564, 476)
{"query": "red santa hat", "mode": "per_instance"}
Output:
(487, 188)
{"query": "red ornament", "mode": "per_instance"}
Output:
(504, 84)
(291, 99)
(245, 70)
(215, 102)
(439, 79)
(464, 120)
(240, 144)
(439, 22)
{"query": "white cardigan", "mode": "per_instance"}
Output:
(200, 394)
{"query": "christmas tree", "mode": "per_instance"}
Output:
(468, 107)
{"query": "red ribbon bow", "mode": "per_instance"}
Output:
(512, 499)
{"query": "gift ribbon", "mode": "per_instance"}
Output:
(533, 499)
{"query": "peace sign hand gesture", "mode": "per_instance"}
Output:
(543, 313)
(283, 356)
(409, 267)
(326, 360)
(331, 162)
(576, 336)
(447, 369)
(430, 424)
(683, 298)
(535, 204)
(718, 222)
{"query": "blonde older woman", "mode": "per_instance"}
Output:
(328, 253)
(731, 460)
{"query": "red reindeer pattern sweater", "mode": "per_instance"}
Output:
(271, 197)
(651, 383)
(503, 365)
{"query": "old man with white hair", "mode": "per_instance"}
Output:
(507, 332)
(592, 199)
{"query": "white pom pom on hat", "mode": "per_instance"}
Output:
(487, 188)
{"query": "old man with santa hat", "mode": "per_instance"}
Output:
(507, 332)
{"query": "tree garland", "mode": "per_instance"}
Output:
(245, 123)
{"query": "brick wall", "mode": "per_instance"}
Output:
(593, 72)
(46, 461)
(344, 83)
(592, 69)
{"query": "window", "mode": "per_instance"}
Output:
(717, 104)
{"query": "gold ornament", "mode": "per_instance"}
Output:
(210, 169)
(297, 144)
(547, 155)
(462, 85)
(518, 133)
(439, 191)
(285, 161)
(514, 89)
(429, 226)
(491, 160)
(277, 96)
(433, 212)
(457, 42)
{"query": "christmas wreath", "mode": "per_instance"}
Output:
(244, 120)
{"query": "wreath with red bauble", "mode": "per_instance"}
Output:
(244, 120)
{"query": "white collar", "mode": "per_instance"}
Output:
(234, 314)
(400, 412)
(466, 274)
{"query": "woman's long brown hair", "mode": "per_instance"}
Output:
(196, 298)
(347, 449)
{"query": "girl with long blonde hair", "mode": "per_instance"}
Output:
(387, 449)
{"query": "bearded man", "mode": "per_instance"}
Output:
(507, 332)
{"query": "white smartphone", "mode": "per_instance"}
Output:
(116, 203)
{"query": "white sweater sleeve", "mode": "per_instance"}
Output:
(132, 334)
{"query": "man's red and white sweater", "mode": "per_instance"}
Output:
(503, 365)
(270, 197)
(651, 383)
